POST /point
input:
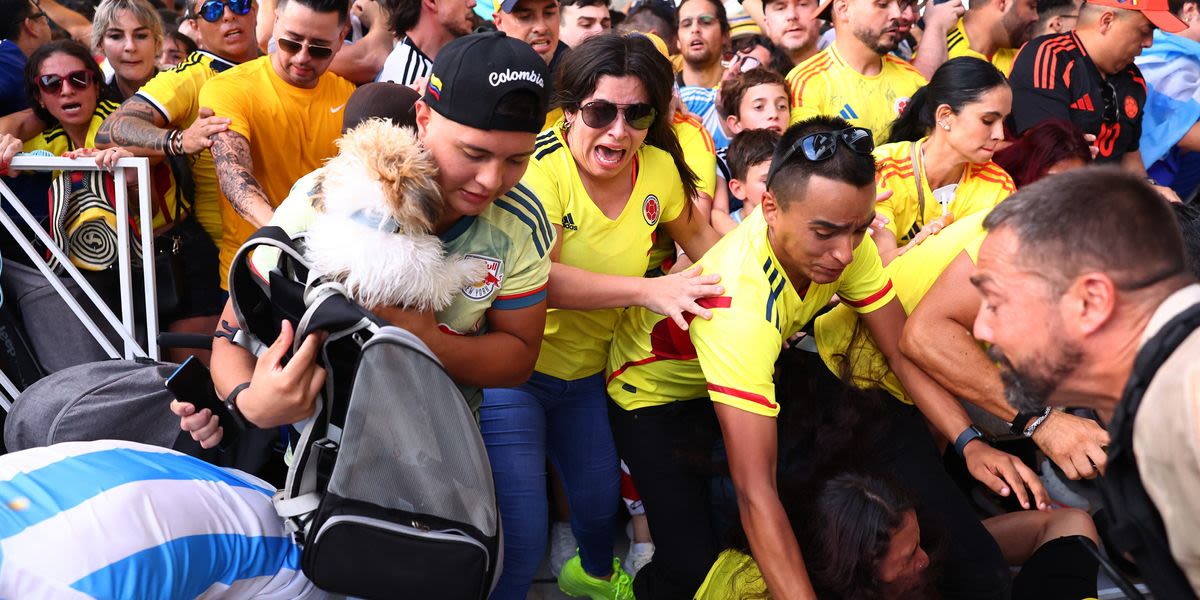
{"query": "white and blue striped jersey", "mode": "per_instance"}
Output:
(114, 519)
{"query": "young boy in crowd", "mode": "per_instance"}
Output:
(756, 99)
(749, 159)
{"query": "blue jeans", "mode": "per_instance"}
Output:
(567, 421)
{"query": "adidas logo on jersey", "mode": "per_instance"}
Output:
(848, 113)
(569, 222)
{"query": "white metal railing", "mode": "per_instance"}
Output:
(125, 327)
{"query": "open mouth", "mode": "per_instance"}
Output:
(609, 157)
(696, 44)
(540, 45)
(72, 108)
(232, 35)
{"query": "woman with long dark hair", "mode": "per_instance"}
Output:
(938, 161)
(607, 176)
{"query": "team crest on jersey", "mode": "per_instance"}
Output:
(651, 209)
(901, 105)
(1131, 107)
(491, 281)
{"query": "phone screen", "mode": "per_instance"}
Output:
(192, 383)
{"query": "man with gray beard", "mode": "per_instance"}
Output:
(1088, 301)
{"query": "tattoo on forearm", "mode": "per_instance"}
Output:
(235, 171)
(134, 125)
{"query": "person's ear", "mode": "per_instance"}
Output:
(733, 124)
(1054, 24)
(942, 116)
(770, 208)
(738, 189)
(1089, 303)
(1107, 18)
(424, 114)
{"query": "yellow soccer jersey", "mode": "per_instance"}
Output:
(699, 151)
(731, 358)
(957, 44)
(576, 341)
(733, 576)
(175, 93)
(912, 273)
(981, 187)
(291, 131)
(825, 85)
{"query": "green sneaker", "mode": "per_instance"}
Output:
(575, 582)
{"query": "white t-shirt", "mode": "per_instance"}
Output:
(405, 64)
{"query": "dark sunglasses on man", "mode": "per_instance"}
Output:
(314, 50)
(213, 10)
(822, 146)
(745, 44)
(53, 84)
(599, 114)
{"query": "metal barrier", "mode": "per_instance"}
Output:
(125, 326)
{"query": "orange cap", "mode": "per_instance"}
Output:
(1157, 11)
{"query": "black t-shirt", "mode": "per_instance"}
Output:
(1054, 78)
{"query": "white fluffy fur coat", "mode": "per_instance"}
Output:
(382, 171)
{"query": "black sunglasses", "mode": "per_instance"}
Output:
(599, 114)
(822, 146)
(1108, 94)
(53, 84)
(745, 44)
(212, 10)
(293, 47)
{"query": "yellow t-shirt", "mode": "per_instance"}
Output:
(175, 93)
(825, 85)
(957, 44)
(981, 187)
(841, 341)
(576, 341)
(733, 576)
(731, 358)
(55, 140)
(291, 132)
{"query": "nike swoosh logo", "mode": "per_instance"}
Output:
(336, 108)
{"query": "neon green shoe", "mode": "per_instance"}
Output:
(575, 582)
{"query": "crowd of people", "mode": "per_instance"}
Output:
(833, 295)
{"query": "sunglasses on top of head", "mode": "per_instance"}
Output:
(599, 114)
(822, 146)
(53, 84)
(212, 10)
(314, 50)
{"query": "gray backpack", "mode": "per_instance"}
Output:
(390, 492)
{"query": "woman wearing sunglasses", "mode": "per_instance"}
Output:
(607, 176)
(129, 33)
(63, 82)
(938, 162)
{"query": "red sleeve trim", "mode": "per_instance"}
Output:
(537, 290)
(744, 395)
(873, 298)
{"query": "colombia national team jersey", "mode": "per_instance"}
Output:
(576, 342)
(958, 44)
(981, 187)
(175, 94)
(291, 132)
(1054, 78)
(912, 273)
(825, 85)
(731, 358)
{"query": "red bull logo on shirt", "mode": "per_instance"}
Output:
(491, 280)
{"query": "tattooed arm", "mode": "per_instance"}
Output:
(235, 170)
(142, 129)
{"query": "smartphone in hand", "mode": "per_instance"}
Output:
(192, 383)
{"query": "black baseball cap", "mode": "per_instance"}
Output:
(472, 74)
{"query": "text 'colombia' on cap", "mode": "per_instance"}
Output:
(472, 74)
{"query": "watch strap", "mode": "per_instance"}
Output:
(1021, 421)
(964, 438)
(231, 404)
